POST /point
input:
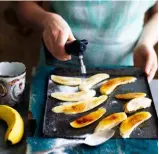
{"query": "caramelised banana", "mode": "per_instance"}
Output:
(111, 84)
(88, 119)
(130, 95)
(81, 106)
(128, 125)
(111, 121)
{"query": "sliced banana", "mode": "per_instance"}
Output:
(130, 95)
(111, 121)
(91, 81)
(81, 106)
(136, 104)
(69, 81)
(88, 119)
(71, 97)
(111, 84)
(128, 125)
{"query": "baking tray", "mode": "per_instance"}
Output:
(56, 125)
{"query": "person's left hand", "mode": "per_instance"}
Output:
(145, 57)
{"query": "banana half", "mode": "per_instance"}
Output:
(81, 106)
(71, 97)
(111, 121)
(111, 84)
(15, 124)
(68, 81)
(130, 95)
(91, 81)
(136, 104)
(128, 125)
(88, 119)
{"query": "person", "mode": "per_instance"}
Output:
(115, 31)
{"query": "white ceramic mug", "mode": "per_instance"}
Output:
(12, 82)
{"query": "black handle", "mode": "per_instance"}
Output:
(76, 47)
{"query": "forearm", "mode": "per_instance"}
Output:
(149, 34)
(31, 13)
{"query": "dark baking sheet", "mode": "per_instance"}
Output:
(57, 125)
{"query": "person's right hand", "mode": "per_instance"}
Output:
(56, 34)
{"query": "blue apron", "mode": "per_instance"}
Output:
(111, 27)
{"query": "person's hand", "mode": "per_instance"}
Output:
(145, 57)
(56, 33)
